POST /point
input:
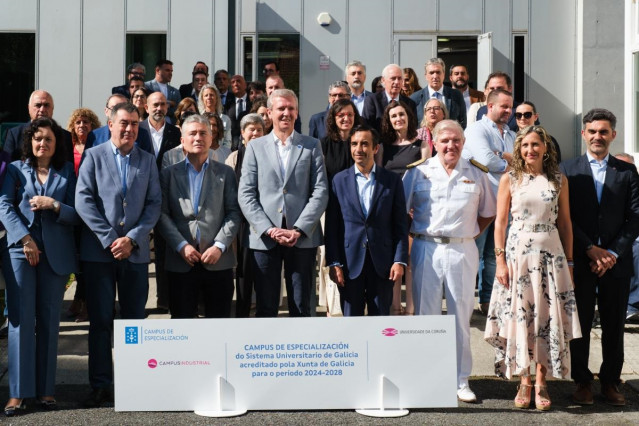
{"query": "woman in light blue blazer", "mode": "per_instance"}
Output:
(37, 209)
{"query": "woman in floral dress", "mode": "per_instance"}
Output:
(533, 314)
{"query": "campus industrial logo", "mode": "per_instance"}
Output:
(391, 332)
(131, 335)
(154, 363)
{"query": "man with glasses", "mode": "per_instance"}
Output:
(103, 134)
(200, 78)
(317, 123)
(135, 69)
(271, 69)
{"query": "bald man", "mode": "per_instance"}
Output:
(40, 105)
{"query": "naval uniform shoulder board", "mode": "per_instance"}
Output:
(479, 165)
(417, 163)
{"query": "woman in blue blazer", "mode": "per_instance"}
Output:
(37, 209)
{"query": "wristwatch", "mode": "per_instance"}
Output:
(56, 204)
(134, 244)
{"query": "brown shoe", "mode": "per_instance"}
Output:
(583, 394)
(483, 308)
(612, 395)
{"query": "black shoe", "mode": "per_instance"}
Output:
(14, 410)
(98, 397)
(48, 404)
(4, 329)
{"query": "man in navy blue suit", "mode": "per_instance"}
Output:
(317, 123)
(374, 105)
(366, 230)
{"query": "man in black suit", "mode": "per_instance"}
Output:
(374, 105)
(165, 136)
(454, 100)
(239, 109)
(604, 207)
(200, 78)
(40, 106)
(221, 81)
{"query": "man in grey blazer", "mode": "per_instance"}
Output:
(118, 197)
(163, 76)
(283, 192)
(200, 218)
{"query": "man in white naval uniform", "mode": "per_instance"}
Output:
(452, 203)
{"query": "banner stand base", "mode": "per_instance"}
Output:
(225, 391)
(388, 397)
(223, 413)
(383, 413)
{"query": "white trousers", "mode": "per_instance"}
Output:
(451, 268)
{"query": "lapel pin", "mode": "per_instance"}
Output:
(299, 146)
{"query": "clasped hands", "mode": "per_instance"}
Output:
(600, 260)
(40, 202)
(191, 256)
(285, 237)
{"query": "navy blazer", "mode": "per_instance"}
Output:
(374, 106)
(236, 133)
(57, 229)
(614, 221)
(317, 125)
(102, 134)
(13, 143)
(454, 102)
(384, 231)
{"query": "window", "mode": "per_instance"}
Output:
(17, 76)
(285, 50)
(146, 49)
(247, 67)
(460, 51)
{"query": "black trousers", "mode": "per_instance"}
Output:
(216, 288)
(611, 295)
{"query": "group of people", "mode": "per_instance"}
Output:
(422, 204)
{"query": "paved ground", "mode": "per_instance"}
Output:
(494, 407)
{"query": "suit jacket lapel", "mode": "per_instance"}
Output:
(591, 191)
(611, 175)
(111, 164)
(293, 156)
(351, 188)
(54, 181)
(207, 185)
(377, 191)
(134, 166)
(272, 154)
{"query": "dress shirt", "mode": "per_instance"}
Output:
(122, 161)
(466, 94)
(389, 99)
(156, 137)
(598, 172)
(283, 152)
(483, 140)
(239, 109)
(433, 93)
(195, 191)
(365, 187)
(359, 101)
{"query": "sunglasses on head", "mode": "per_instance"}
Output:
(526, 115)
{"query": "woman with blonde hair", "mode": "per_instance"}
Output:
(209, 100)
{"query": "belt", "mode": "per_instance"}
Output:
(538, 227)
(441, 240)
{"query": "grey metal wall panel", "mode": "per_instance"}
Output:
(147, 15)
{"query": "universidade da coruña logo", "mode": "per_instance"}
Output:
(131, 336)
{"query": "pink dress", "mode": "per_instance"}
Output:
(536, 317)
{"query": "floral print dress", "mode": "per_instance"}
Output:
(536, 317)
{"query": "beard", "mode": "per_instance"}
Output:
(460, 84)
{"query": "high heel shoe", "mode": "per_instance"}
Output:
(542, 399)
(13, 410)
(522, 400)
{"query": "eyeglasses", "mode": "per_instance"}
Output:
(139, 96)
(338, 95)
(345, 115)
(268, 71)
(433, 109)
(526, 115)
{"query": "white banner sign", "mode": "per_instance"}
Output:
(285, 363)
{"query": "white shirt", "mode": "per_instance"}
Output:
(448, 206)
(156, 136)
(432, 91)
(283, 152)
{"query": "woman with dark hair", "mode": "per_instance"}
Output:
(340, 120)
(376, 85)
(401, 147)
(410, 83)
(532, 316)
(217, 131)
(37, 209)
(138, 98)
(260, 107)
